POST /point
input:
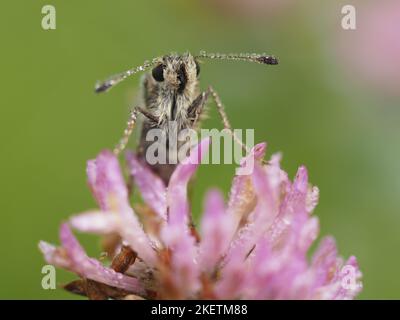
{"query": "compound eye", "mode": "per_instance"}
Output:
(158, 73)
(197, 68)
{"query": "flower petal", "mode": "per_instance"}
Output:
(234, 275)
(324, 261)
(53, 256)
(349, 278)
(217, 230)
(332, 279)
(262, 216)
(133, 234)
(308, 234)
(72, 257)
(185, 273)
(108, 185)
(242, 197)
(99, 222)
(178, 204)
(152, 188)
(312, 198)
(293, 213)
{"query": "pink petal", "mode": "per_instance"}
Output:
(263, 267)
(217, 230)
(107, 183)
(350, 275)
(257, 153)
(241, 194)
(308, 234)
(242, 199)
(176, 234)
(278, 179)
(123, 223)
(177, 189)
(53, 256)
(152, 188)
(234, 275)
(343, 281)
(263, 215)
(293, 213)
(185, 273)
(98, 222)
(86, 267)
(312, 199)
(324, 261)
(75, 252)
(133, 234)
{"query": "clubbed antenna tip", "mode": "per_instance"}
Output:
(267, 60)
(102, 87)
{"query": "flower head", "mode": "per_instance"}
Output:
(252, 247)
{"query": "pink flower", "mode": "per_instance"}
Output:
(253, 247)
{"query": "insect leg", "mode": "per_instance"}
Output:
(196, 110)
(127, 133)
(130, 126)
(224, 118)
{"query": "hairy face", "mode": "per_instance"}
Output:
(176, 73)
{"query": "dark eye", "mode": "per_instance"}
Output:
(158, 73)
(197, 68)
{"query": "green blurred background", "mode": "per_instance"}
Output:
(308, 107)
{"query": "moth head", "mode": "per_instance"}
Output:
(176, 72)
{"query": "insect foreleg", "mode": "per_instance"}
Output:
(196, 110)
(224, 117)
(130, 126)
(127, 133)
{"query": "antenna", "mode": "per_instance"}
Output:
(252, 57)
(115, 79)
